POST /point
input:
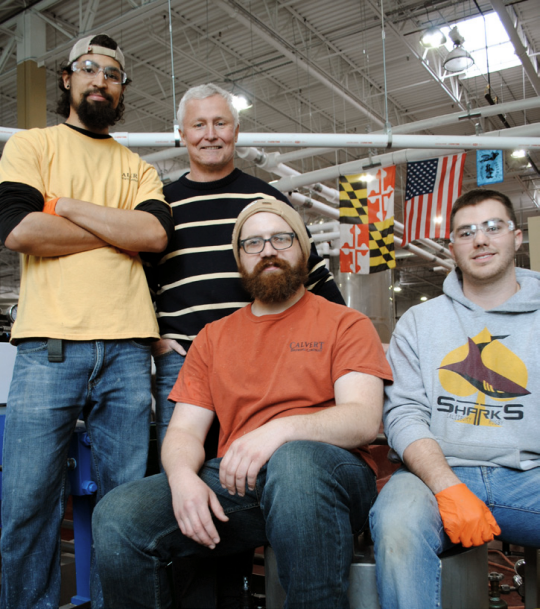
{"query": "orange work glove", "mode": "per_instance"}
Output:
(50, 206)
(466, 519)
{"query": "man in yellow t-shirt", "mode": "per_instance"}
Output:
(79, 207)
(296, 383)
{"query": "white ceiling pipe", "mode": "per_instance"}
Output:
(340, 140)
(429, 123)
(309, 203)
(440, 249)
(250, 154)
(295, 155)
(474, 113)
(330, 194)
(436, 246)
(324, 226)
(326, 236)
(373, 140)
(163, 155)
(6, 133)
(521, 51)
(422, 253)
(353, 167)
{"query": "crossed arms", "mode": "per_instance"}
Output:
(354, 421)
(82, 226)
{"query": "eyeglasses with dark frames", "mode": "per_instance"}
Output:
(279, 241)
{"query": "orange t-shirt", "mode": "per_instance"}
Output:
(250, 370)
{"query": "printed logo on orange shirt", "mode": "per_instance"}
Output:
(304, 346)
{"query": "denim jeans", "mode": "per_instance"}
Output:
(408, 532)
(309, 499)
(108, 382)
(167, 368)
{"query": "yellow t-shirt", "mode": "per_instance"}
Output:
(98, 294)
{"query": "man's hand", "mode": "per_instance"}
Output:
(248, 454)
(159, 347)
(192, 502)
(466, 519)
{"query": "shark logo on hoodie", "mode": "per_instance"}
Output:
(485, 367)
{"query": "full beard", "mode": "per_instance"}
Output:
(96, 115)
(274, 287)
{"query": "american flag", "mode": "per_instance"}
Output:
(432, 188)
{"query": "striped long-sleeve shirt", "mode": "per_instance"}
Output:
(195, 280)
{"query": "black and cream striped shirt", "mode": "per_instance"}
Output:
(195, 280)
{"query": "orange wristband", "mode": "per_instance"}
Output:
(50, 206)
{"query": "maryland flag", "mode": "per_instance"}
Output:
(366, 215)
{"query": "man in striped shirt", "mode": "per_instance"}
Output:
(195, 280)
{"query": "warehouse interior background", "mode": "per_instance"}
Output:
(306, 67)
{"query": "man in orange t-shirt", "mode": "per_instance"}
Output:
(297, 385)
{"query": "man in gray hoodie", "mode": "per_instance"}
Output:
(462, 414)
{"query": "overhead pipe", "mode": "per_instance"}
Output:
(164, 155)
(383, 140)
(521, 51)
(326, 236)
(392, 158)
(472, 114)
(343, 140)
(352, 167)
(310, 204)
(325, 226)
(423, 254)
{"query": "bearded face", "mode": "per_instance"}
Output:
(95, 115)
(276, 285)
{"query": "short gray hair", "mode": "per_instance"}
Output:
(202, 92)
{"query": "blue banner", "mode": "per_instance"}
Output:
(489, 167)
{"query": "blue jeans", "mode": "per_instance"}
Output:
(167, 368)
(309, 499)
(108, 382)
(408, 533)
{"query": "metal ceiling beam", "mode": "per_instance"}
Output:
(242, 15)
(436, 77)
(519, 48)
(251, 66)
(87, 21)
(302, 22)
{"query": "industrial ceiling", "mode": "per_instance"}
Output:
(307, 66)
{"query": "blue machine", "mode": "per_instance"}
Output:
(82, 490)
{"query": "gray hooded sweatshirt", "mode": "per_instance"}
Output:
(469, 378)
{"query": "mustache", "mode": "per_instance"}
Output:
(104, 94)
(268, 262)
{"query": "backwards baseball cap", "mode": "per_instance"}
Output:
(272, 206)
(84, 46)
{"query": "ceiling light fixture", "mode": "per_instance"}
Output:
(432, 38)
(519, 154)
(459, 59)
(241, 102)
